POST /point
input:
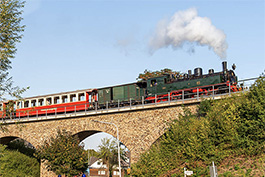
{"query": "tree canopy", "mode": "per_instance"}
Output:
(16, 164)
(150, 74)
(10, 30)
(10, 34)
(63, 154)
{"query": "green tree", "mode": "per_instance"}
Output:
(63, 154)
(16, 164)
(108, 153)
(10, 30)
(149, 74)
(251, 125)
(10, 34)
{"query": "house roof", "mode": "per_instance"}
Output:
(92, 160)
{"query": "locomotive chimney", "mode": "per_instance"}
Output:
(224, 63)
(189, 72)
(210, 71)
(198, 72)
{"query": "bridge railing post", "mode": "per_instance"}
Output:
(65, 111)
(229, 88)
(85, 108)
(183, 96)
(75, 109)
(155, 99)
(168, 97)
(213, 91)
(96, 107)
(197, 94)
(37, 114)
(243, 86)
(143, 101)
(107, 106)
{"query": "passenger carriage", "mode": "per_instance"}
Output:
(64, 102)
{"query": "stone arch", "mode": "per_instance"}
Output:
(84, 134)
(5, 140)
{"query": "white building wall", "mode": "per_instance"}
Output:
(98, 164)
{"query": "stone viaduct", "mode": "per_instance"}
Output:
(138, 127)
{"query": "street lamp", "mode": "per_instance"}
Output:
(118, 142)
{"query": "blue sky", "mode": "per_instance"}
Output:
(78, 44)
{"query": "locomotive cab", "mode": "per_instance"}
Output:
(229, 75)
(232, 77)
(157, 84)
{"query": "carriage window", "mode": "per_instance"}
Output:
(41, 102)
(56, 100)
(18, 105)
(81, 97)
(73, 98)
(33, 103)
(64, 99)
(49, 101)
(26, 104)
(89, 98)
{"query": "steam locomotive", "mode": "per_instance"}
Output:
(152, 90)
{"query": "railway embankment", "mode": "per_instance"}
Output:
(229, 132)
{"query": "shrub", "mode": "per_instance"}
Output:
(16, 164)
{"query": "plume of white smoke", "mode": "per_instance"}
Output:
(187, 27)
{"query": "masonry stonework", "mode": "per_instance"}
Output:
(138, 129)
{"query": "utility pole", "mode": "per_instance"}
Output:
(118, 142)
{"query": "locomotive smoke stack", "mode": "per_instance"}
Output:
(189, 72)
(211, 71)
(198, 72)
(224, 63)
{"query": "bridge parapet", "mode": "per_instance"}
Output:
(129, 108)
(184, 98)
(139, 125)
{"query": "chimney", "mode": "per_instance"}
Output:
(224, 63)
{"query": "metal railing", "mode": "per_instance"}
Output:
(173, 97)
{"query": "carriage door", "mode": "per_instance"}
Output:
(92, 97)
